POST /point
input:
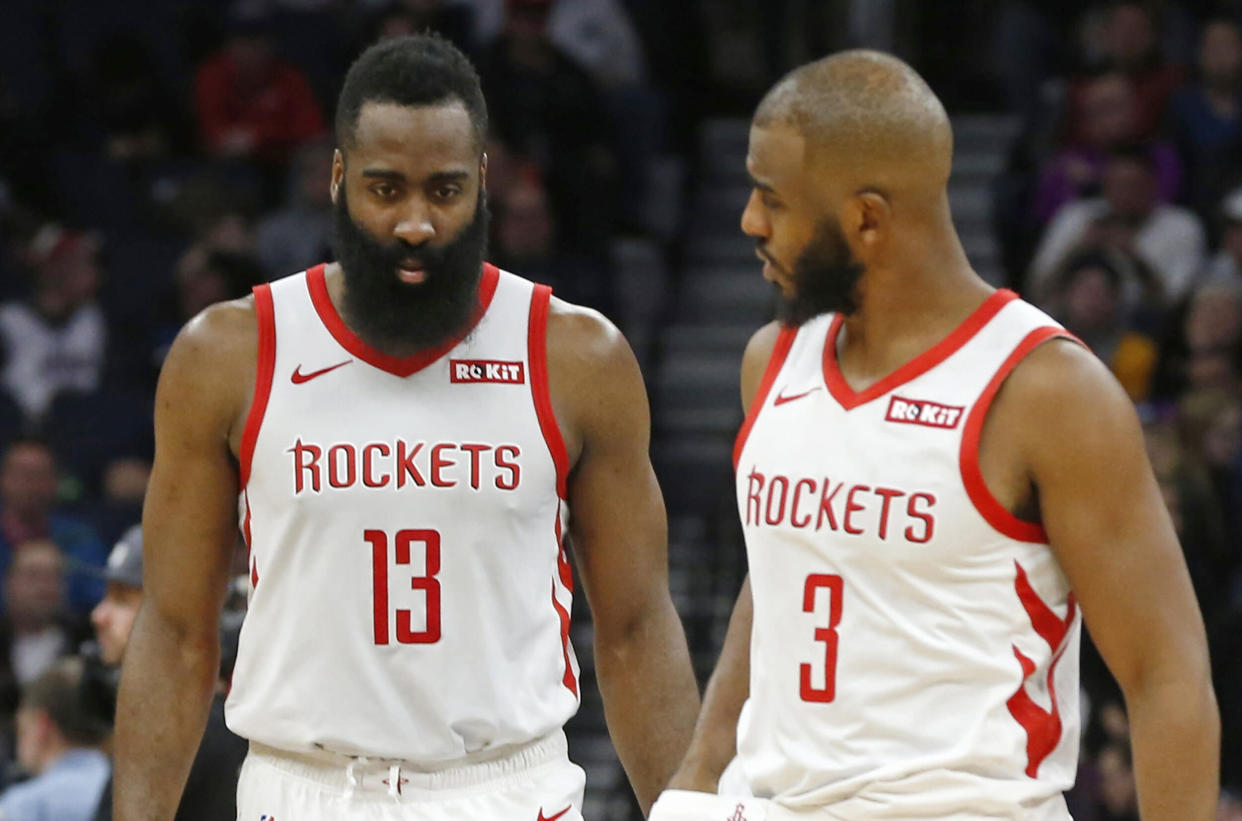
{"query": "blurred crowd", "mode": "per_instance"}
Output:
(1120, 212)
(158, 157)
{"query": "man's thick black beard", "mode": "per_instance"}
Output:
(389, 313)
(825, 279)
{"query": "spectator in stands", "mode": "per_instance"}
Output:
(1206, 115)
(56, 340)
(59, 734)
(251, 104)
(28, 514)
(1225, 268)
(525, 239)
(1116, 792)
(542, 105)
(401, 17)
(1087, 299)
(124, 108)
(1213, 333)
(1109, 116)
(1129, 217)
(210, 792)
(204, 276)
(36, 628)
(297, 236)
(1211, 425)
(1195, 508)
(1129, 46)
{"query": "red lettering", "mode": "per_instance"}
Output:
(754, 486)
(780, 514)
(474, 451)
(929, 521)
(368, 474)
(851, 506)
(405, 460)
(305, 458)
(886, 494)
(825, 505)
(515, 471)
(334, 475)
(438, 463)
(793, 515)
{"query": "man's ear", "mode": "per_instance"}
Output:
(867, 218)
(338, 174)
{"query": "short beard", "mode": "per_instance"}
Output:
(389, 313)
(825, 278)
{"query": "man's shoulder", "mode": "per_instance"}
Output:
(583, 332)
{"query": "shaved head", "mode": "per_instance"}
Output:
(868, 118)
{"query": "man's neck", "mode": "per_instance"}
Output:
(907, 307)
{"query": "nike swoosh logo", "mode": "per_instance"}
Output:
(543, 817)
(298, 377)
(780, 400)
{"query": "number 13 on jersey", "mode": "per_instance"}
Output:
(833, 588)
(427, 582)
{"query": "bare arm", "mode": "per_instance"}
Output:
(715, 736)
(1107, 524)
(619, 534)
(189, 530)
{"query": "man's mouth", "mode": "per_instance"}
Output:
(411, 272)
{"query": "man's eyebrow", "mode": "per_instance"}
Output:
(762, 186)
(449, 176)
(383, 174)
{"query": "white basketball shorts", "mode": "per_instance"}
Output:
(535, 782)
(685, 805)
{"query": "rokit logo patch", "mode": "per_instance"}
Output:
(923, 412)
(487, 370)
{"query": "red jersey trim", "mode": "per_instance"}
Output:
(972, 477)
(397, 365)
(779, 351)
(264, 367)
(537, 356)
(849, 399)
(567, 578)
(1043, 727)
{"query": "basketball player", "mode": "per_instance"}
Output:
(937, 486)
(410, 435)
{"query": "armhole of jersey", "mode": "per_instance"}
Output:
(996, 514)
(779, 351)
(264, 367)
(537, 356)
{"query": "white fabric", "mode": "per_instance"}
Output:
(924, 593)
(41, 359)
(313, 671)
(529, 783)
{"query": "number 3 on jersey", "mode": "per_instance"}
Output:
(427, 582)
(834, 587)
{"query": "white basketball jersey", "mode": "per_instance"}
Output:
(410, 591)
(915, 645)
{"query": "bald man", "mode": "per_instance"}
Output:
(937, 485)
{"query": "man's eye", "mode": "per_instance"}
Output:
(447, 192)
(384, 190)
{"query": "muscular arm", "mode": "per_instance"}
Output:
(715, 736)
(1107, 524)
(189, 530)
(619, 532)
